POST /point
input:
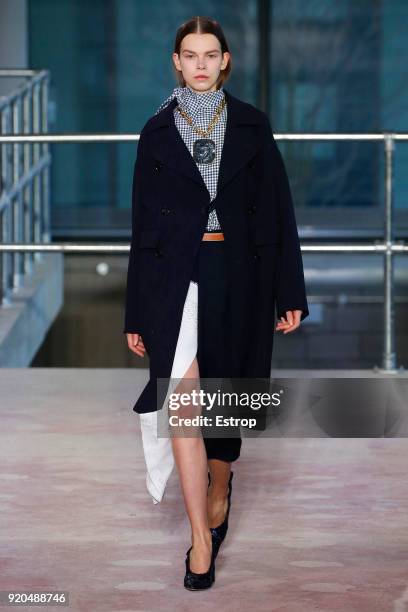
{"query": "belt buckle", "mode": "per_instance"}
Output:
(213, 236)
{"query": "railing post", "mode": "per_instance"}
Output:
(27, 191)
(389, 356)
(6, 217)
(37, 179)
(17, 203)
(45, 174)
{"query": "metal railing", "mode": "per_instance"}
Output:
(389, 247)
(24, 176)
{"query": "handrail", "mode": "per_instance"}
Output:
(37, 77)
(399, 247)
(14, 248)
(24, 175)
(129, 136)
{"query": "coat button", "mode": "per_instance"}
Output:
(251, 209)
(157, 167)
(158, 253)
(165, 211)
(204, 210)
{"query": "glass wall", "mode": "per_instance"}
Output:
(330, 67)
(337, 67)
(110, 63)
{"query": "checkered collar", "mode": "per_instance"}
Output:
(193, 102)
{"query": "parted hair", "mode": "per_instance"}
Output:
(202, 25)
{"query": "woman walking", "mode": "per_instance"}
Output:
(214, 249)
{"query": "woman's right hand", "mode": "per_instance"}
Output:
(135, 343)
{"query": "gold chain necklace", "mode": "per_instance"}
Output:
(212, 123)
(204, 148)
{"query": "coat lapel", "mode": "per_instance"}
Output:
(241, 141)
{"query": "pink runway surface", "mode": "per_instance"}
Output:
(315, 525)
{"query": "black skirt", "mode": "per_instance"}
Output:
(212, 351)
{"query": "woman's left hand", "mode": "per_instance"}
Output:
(291, 322)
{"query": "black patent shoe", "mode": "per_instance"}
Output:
(197, 582)
(218, 533)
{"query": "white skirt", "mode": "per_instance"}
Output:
(158, 452)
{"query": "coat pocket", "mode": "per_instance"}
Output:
(149, 238)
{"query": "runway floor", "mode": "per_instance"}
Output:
(316, 523)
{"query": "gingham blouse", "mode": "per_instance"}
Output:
(201, 108)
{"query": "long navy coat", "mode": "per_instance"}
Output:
(170, 204)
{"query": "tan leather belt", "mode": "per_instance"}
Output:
(213, 236)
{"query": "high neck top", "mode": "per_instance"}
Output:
(195, 103)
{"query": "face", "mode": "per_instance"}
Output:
(200, 54)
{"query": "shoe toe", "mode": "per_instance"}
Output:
(196, 583)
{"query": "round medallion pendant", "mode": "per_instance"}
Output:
(204, 150)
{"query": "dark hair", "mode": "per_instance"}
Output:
(202, 25)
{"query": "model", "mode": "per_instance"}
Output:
(214, 250)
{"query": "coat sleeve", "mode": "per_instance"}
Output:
(132, 316)
(290, 285)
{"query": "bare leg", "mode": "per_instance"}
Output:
(217, 502)
(191, 460)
